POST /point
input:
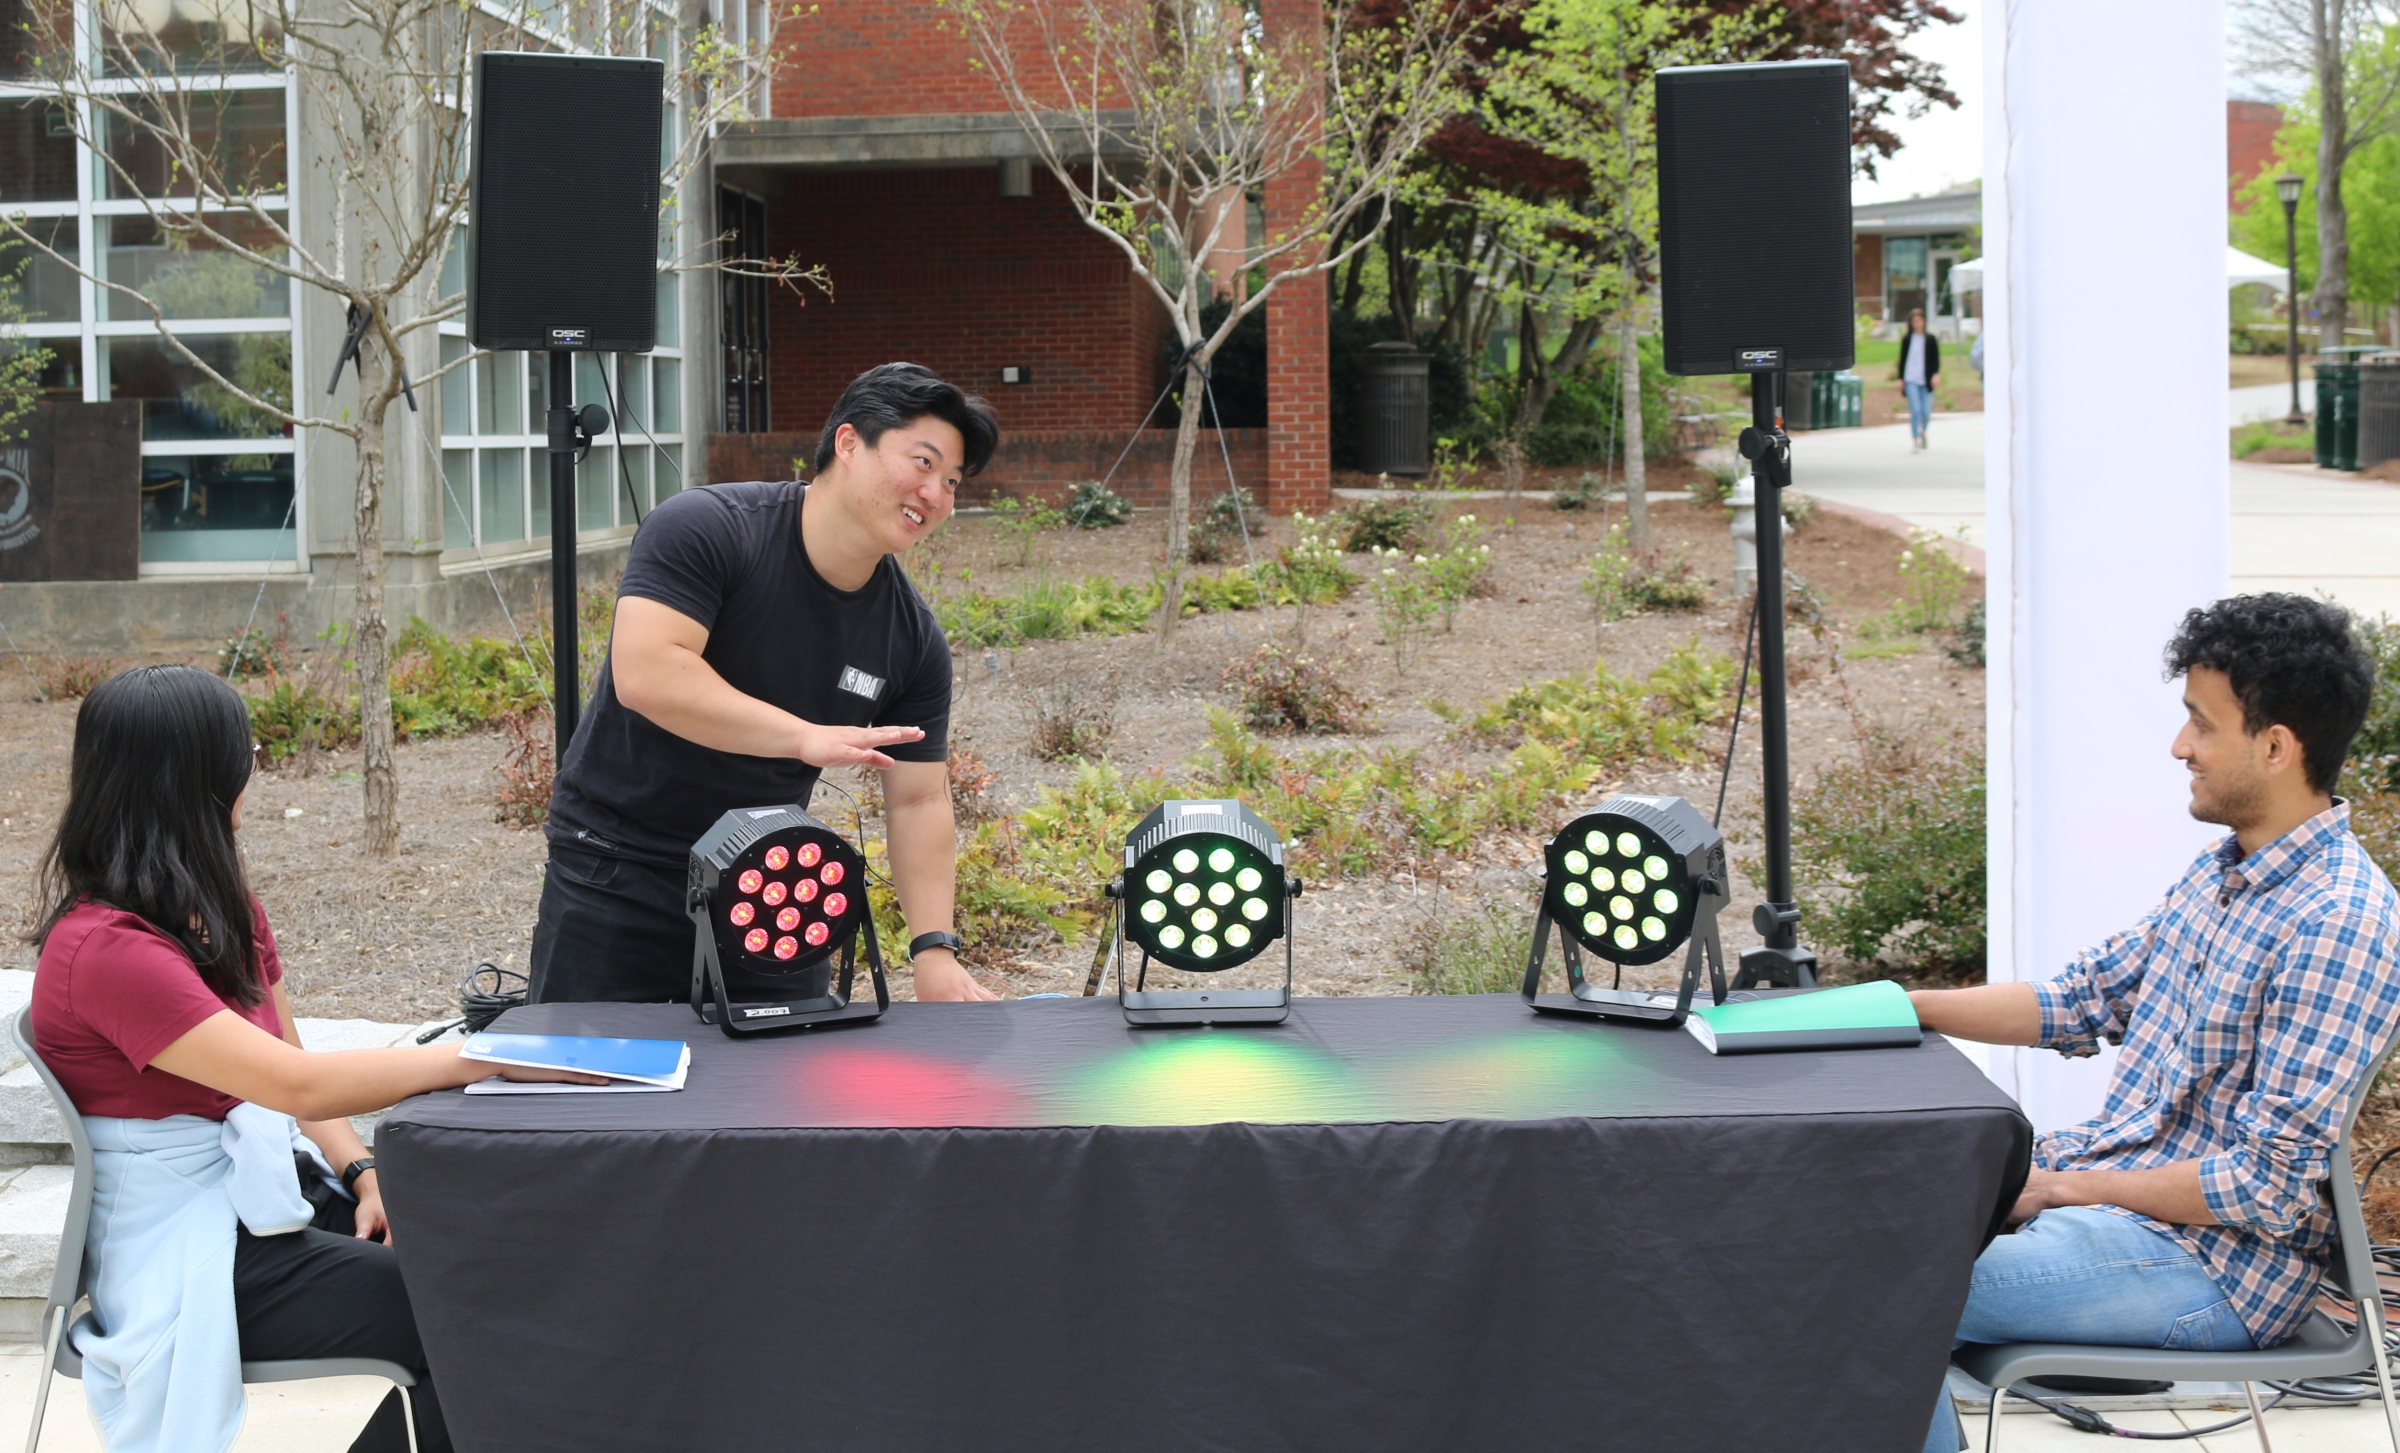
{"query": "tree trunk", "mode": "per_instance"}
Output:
(370, 640)
(1629, 388)
(2332, 294)
(1179, 500)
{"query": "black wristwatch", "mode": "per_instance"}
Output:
(924, 941)
(355, 1169)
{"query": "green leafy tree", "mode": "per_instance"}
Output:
(21, 363)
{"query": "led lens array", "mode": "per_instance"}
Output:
(792, 901)
(1203, 899)
(1618, 890)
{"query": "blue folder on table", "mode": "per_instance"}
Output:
(654, 1061)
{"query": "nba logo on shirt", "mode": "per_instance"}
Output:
(859, 683)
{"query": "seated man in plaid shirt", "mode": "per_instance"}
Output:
(2249, 1004)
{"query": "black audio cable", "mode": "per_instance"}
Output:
(483, 997)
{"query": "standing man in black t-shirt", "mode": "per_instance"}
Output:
(765, 632)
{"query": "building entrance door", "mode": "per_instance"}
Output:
(742, 312)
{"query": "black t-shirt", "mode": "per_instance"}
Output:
(729, 556)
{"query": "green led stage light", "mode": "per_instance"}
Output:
(1204, 890)
(1632, 881)
(776, 895)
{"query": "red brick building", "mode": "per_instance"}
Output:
(894, 163)
(2250, 128)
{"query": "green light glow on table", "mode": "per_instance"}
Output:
(1209, 1079)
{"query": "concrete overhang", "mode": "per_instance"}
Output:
(888, 142)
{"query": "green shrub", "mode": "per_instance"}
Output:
(1022, 521)
(1966, 643)
(1386, 524)
(1046, 610)
(1309, 571)
(1604, 718)
(1893, 848)
(1286, 690)
(1457, 568)
(1671, 583)
(1933, 584)
(294, 715)
(1228, 530)
(1073, 719)
(1583, 492)
(1235, 589)
(1405, 601)
(1094, 506)
(1481, 951)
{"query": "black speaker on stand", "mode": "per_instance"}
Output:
(1755, 278)
(562, 258)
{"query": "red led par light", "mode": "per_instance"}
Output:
(1631, 881)
(775, 895)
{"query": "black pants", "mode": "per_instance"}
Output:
(612, 930)
(324, 1293)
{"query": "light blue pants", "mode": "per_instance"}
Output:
(1920, 408)
(2084, 1275)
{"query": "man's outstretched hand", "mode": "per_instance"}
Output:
(941, 977)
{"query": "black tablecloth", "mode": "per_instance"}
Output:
(1390, 1224)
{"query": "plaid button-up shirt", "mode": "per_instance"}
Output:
(2249, 1004)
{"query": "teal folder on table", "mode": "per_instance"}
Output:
(1854, 1016)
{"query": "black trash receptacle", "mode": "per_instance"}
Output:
(2378, 411)
(1803, 400)
(1395, 411)
(2337, 415)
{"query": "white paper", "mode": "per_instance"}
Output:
(498, 1086)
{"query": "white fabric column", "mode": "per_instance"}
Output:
(2106, 486)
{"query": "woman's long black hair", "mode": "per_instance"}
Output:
(161, 755)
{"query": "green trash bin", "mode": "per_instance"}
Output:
(2337, 415)
(1850, 408)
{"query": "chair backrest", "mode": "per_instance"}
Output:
(66, 1281)
(2354, 1251)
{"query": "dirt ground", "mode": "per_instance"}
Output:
(392, 940)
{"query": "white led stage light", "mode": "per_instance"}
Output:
(1204, 890)
(775, 895)
(1631, 881)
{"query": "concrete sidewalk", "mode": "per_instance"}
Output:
(2295, 527)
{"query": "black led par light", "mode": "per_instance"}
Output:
(1204, 890)
(1632, 880)
(775, 895)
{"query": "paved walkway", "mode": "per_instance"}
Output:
(2294, 527)
(2266, 402)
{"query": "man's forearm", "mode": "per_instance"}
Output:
(679, 692)
(2169, 1193)
(924, 844)
(1988, 1013)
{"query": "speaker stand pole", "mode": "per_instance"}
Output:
(567, 697)
(1781, 963)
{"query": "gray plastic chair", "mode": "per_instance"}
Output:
(67, 1287)
(2319, 1349)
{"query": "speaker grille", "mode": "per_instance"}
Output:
(563, 209)
(1754, 215)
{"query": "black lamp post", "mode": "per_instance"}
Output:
(2287, 191)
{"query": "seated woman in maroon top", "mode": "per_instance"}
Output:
(159, 994)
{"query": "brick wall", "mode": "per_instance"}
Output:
(1866, 273)
(902, 58)
(936, 267)
(1043, 462)
(2250, 128)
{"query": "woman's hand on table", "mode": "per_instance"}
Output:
(372, 1223)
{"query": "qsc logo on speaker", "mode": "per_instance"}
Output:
(570, 337)
(1760, 360)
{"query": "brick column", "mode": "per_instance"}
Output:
(1299, 458)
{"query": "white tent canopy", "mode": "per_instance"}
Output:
(2240, 268)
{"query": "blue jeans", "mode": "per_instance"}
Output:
(1920, 408)
(2082, 1275)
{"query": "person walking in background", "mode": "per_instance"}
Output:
(1920, 365)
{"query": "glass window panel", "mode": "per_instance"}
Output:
(37, 142)
(537, 469)
(454, 264)
(455, 386)
(1904, 274)
(503, 501)
(637, 465)
(499, 407)
(189, 36)
(633, 393)
(188, 276)
(670, 330)
(596, 490)
(181, 402)
(45, 288)
(587, 380)
(458, 492)
(217, 507)
(61, 378)
(237, 134)
(670, 469)
(537, 390)
(667, 391)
